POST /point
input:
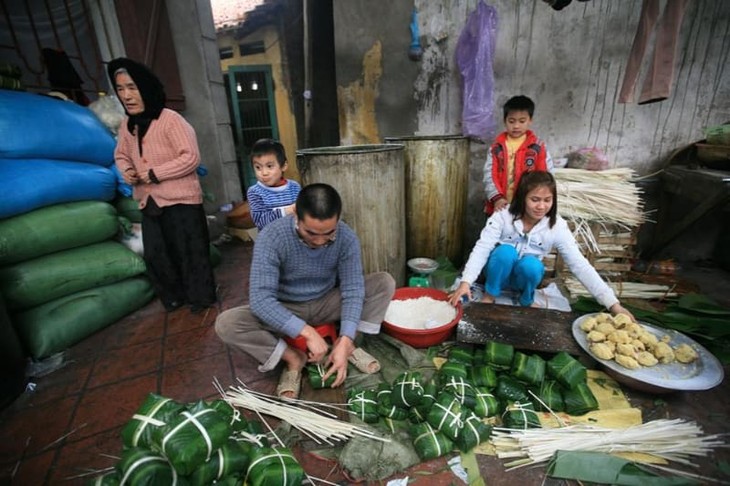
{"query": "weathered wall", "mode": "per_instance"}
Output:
(571, 62)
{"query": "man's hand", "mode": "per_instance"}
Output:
(337, 360)
(499, 204)
(316, 345)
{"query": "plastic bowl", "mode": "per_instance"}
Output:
(421, 265)
(422, 338)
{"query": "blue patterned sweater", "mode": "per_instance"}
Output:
(267, 203)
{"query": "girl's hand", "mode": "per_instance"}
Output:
(617, 308)
(499, 204)
(461, 290)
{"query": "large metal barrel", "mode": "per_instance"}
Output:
(370, 180)
(437, 170)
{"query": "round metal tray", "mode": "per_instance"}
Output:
(704, 373)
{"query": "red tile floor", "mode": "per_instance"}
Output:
(70, 423)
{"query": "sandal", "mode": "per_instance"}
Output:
(289, 382)
(364, 361)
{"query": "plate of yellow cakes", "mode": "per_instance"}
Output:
(646, 357)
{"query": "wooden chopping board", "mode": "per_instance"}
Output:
(523, 327)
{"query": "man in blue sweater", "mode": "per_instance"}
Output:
(306, 271)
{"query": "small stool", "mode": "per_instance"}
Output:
(328, 331)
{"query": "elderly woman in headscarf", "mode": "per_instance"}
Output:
(157, 153)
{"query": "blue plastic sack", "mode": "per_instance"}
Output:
(474, 56)
(26, 185)
(34, 126)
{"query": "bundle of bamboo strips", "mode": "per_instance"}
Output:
(622, 290)
(607, 197)
(674, 440)
(308, 417)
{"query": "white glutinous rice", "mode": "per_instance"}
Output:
(420, 313)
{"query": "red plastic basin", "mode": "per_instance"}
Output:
(422, 338)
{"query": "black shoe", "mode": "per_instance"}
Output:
(199, 308)
(174, 305)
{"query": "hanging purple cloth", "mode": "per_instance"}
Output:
(474, 55)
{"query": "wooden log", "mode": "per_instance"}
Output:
(523, 327)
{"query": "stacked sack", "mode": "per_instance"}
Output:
(199, 444)
(471, 392)
(62, 275)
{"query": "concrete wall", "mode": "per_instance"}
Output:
(571, 62)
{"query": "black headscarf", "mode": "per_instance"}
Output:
(150, 88)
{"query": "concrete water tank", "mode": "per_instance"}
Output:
(437, 169)
(371, 182)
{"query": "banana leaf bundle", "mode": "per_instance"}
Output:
(430, 443)
(235, 419)
(528, 368)
(416, 415)
(388, 410)
(274, 467)
(142, 467)
(254, 433)
(407, 389)
(482, 375)
(445, 415)
(551, 396)
(566, 370)
(430, 390)
(498, 355)
(579, 400)
(461, 355)
(231, 459)
(364, 405)
(460, 388)
(393, 426)
(473, 433)
(316, 373)
(510, 390)
(484, 404)
(190, 439)
(155, 412)
(479, 356)
(450, 368)
(520, 416)
(111, 478)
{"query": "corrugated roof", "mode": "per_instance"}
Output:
(230, 13)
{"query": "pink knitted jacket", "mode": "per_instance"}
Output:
(171, 150)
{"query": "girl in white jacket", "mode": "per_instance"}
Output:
(514, 241)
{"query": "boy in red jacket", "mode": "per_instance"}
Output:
(515, 151)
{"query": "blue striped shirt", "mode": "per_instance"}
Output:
(267, 203)
(285, 269)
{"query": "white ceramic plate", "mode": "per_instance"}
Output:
(704, 373)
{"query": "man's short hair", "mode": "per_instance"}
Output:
(519, 103)
(319, 201)
(269, 146)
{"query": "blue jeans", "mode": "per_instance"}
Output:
(505, 269)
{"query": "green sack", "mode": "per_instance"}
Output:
(429, 442)
(49, 277)
(274, 467)
(129, 208)
(529, 369)
(566, 370)
(579, 400)
(551, 396)
(155, 412)
(472, 433)
(56, 325)
(364, 405)
(316, 373)
(231, 459)
(55, 228)
(461, 389)
(142, 467)
(485, 404)
(445, 415)
(520, 416)
(484, 376)
(461, 355)
(192, 437)
(498, 355)
(407, 389)
(510, 390)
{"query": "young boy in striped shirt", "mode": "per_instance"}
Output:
(273, 196)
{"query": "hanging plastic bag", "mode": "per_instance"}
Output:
(474, 55)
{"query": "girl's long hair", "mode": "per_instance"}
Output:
(528, 182)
